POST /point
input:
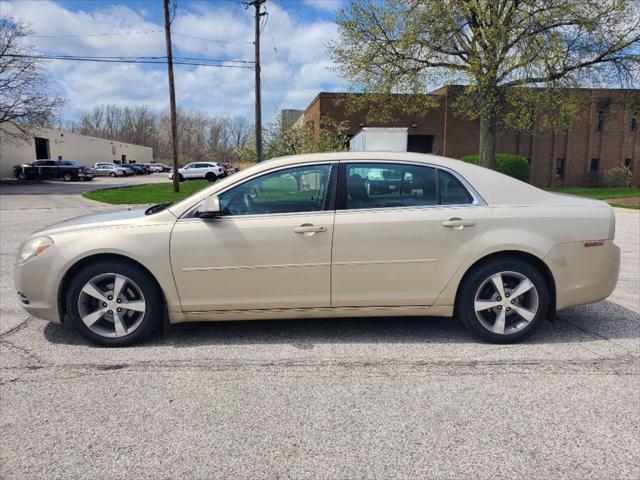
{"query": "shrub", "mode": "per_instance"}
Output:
(618, 177)
(513, 165)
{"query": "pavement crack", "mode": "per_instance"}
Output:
(597, 335)
(17, 328)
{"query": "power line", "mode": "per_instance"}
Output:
(134, 60)
(207, 39)
(73, 35)
(273, 42)
(141, 32)
(266, 84)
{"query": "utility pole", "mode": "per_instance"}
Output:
(172, 98)
(257, 4)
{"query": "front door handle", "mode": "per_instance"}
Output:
(309, 229)
(457, 223)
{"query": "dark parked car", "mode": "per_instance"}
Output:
(68, 170)
(139, 169)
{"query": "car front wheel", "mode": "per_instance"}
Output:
(114, 303)
(503, 300)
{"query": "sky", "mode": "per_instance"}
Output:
(295, 65)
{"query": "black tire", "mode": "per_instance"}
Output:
(154, 311)
(211, 177)
(465, 309)
(67, 177)
(22, 176)
(180, 178)
(112, 174)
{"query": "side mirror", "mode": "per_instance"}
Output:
(210, 208)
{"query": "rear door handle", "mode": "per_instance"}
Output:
(309, 229)
(456, 223)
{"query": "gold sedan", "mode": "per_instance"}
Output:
(328, 235)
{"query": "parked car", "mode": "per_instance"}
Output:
(139, 169)
(200, 170)
(156, 167)
(109, 169)
(305, 236)
(163, 167)
(126, 170)
(68, 170)
(228, 168)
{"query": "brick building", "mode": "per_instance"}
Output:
(604, 135)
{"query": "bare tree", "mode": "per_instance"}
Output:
(201, 137)
(25, 98)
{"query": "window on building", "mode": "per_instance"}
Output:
(113, 149)
(595, 163)
(600, 121)
(560, 166)
(59, 157)
(420, 143)
(628, 164)
(42, 147)
(633, 123)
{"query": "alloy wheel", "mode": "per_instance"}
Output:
(506, 302)
(111, 305)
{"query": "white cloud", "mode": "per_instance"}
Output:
(327, 5)
(293, 72)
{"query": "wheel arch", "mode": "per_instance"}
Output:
(535, 261)
(80, 264)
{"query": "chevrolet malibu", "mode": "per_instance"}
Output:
(328, 235)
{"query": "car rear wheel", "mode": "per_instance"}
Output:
(503, 300)
(112, 174)
(114, 304)
(211, 177)
(67, 177)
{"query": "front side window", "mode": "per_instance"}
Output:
(379, 185)
(298, 189)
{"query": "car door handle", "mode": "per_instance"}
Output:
(458, 223)
(309, 229)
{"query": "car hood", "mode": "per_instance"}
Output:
(117, 218)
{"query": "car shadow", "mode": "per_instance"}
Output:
(606, 320)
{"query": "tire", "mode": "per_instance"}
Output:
(22, 176)
(139, 289)
(112, 174)
(67, 177)
(180, 178)
(505, 322)
(211, 177)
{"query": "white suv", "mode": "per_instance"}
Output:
(208, 170)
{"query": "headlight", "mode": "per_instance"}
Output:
(33, 248)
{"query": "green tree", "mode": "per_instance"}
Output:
(493, 47)
(306, 138)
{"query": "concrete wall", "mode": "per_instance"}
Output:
(70, 146)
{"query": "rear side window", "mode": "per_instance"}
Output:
(382, 185)
(451, 190)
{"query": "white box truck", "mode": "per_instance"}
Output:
(379, 139)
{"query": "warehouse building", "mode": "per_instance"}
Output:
(46, 143)
(604, 135)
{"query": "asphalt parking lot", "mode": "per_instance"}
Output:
(358, 398)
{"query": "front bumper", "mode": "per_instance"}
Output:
(583, 274)
(36, 283)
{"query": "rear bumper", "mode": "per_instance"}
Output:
(583, 274)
